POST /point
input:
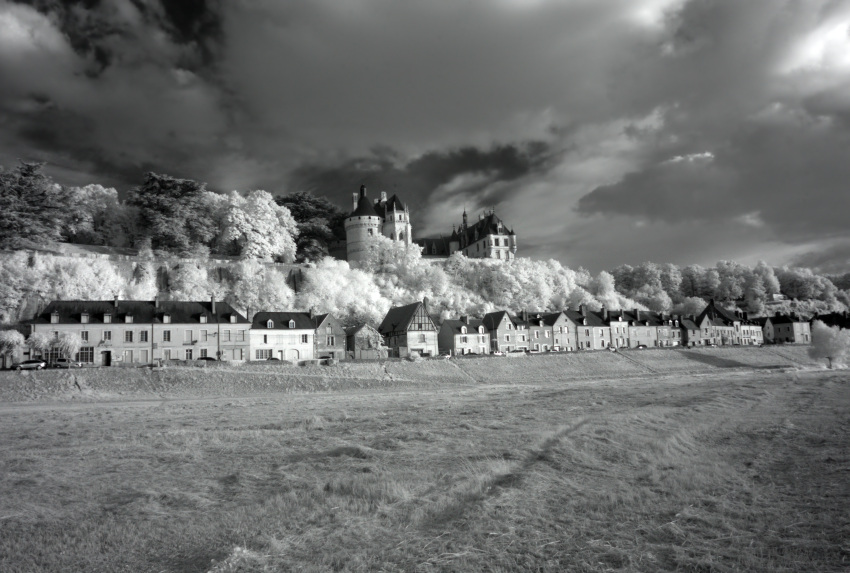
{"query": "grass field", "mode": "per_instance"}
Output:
(729, 471)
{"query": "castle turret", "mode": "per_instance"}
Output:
(512, 239)
(362, 223)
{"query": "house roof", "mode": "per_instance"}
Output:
(688, 324)
(593, 318)
(142, 311)
(719, 316)
(280, 320)
(399, 318)
(365, 208)
(455, 325)
(785, 319)
(492, 320)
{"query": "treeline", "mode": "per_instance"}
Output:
(165, 215)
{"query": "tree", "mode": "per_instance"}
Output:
(33, 209)
(317, 219)
(258, 287)
(177, 214)
(690, 306)
(755, 294)
(39, 343)
(10, 341)
(832, 343)
(100, 217)
(692, 280)
(69, 344)
(259, 228)
(190, 281)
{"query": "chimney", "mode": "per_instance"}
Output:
(637, 315)
(778, 314)
(212, 303)
(425, 304)
(362, 191)
(312, 313)
(465, 318)
(745, 315)
(604, 314)
(383, 196)
(354, 200)
(525, 316)
(582, 309)
(116, 301)
(156, 301)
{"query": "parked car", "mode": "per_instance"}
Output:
(30, 365)
(273, 358)
(66, 363)
(207, 359)
(497, 353)
(640, 346)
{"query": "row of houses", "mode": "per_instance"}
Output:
(411, 329)
(145, 332)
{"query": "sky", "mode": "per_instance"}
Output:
(603, 132)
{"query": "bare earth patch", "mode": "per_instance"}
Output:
(733, 470)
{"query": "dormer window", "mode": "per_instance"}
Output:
(107, 318)
(128, 318)
(541, 323)
(166, 318)
(584, 322)
(54, 317)
(233, 318)
(291, 324)
(270, 324)
(84, 318)
(480, 330)
(203, 319)
(463, 330)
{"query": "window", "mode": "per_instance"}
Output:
(203, 319)
(546, 334)
(463, 330)
(265, 339)
(291, 324)
(233, 319)
(263, 353)
(166, 336)
(128, 318)
(84, 335)
(480, 330)
(128, 336)
(463, 340)
(507, 338)
(107, 318)
(304, 339)
(331, 341)
(240, 336)
(204, 335)
(422, 337)
(166, 354)
(187, 336)
(188, 354)
(536, 334)
(55, 335)
(270, 324)
(522, 338)
(107, 335)
(84, 318)
(143, 336)
(86, 354)
(510, 326)
(203, 352)
(370, 232)
(166, 318)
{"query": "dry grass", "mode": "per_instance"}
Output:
(735, 472)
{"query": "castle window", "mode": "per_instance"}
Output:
(370, 232)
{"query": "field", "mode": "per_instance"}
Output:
(738, 462)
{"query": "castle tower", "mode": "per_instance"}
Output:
(396, 219)
(362, 223)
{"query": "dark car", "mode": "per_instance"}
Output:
(641, 346)
(30, 365)
(273, 358)
(207, 359)
(66, 363)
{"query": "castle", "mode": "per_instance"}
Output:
(489, 237)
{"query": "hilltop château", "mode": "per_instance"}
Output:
(487, 238)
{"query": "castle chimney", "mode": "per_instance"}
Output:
(355, 197)
(212, 303)
(383, 196)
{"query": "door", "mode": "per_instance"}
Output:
(280, 354)
(106, 358)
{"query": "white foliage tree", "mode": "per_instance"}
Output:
(349, 294)
(832, 343)
(39, 343)
(69, 344)
(190, 281)
(10, 341)
(262, 229)
(257, 287)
